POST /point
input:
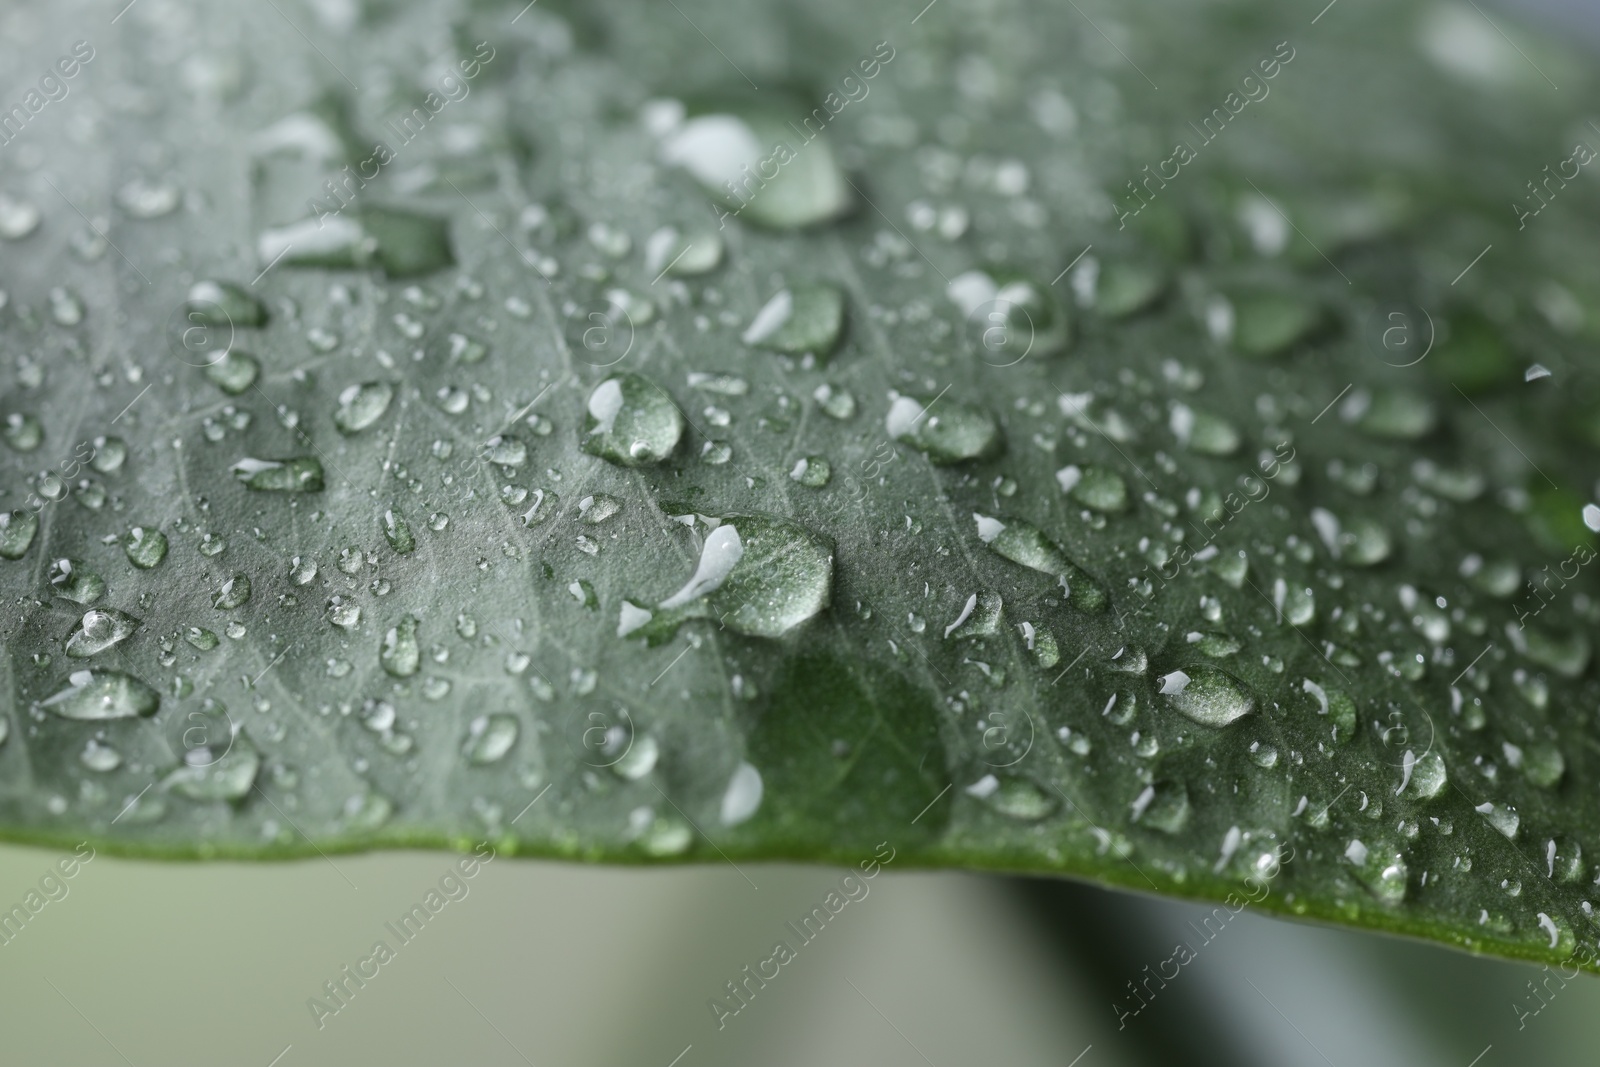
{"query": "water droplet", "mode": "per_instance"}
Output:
(490, 737)
(1009, 315)
(1380, 868)
(18, 218)
(1094, 487)
(103, 694)
(1501, 817)
(728, 152)
(71, 580)
(144, 547)
(400, 654)
(22, 431)
(99, 757)
(742, 797)
(1395, 415)
(17, 530)
(1162, 806)
(798, 320)
(593, 510)
(397, 532)
(1566, 654)
(302, 474)
(1422, 777)
(235, 592)
(362, 405)
(836, 403)
(142, 198)
(759, 576)
(233, 372)
(399, 242)
(1267, 322)
(223, 304)
(208, 775)
(1023, 543)
(682, 255)
(201, 638)
(1543, 765)
(953, 434)
(1014, 796)
(813, 472)
(98, 630)
(629, 421)
(1206, 695)
(343, 613)
(1199, 431)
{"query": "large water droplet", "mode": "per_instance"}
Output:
(1024, 543)
(742, 797)
(757, 575)
(71, 580)
(17, 530)
(234, 372)
(1162, 806)
(800, 319)
(1380, 868)
(631, 422)
(400, 654)
(490, 737)
(208, 775)
(1269, 321)
(223, 304)
(99, 630)
(397, 531)
(1014, 796)
(102, 694)
(953, 433)
(1206, 695)
(362, 405)
(730, 152)
(302, 474)
(145, 547)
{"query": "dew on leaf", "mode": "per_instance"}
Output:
(302, 474)
(1162, 805)
(723, 150)
(208, 775)
(71, 580)
(233, 372)
(98, 630)
(1014, 796)
(397, 531)
(1024, 543)
(223, 304)
(1381, 869)
(489, 738)
(400, 654)
(682, 255)
(144, 547)
(630, 422)
(233, 593)
(22, 431)
(813, 472)
(954, 434)
(361, 405)
(17, 530)
(799, 319)
(1206, 695)
(102, 694)
(1094, 487)
(757, 575)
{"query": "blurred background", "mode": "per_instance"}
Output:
(543, 963)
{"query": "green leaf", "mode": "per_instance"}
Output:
(1005, 484)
